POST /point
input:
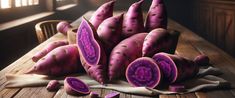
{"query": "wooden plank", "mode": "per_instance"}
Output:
(123, 95)
(61, 93)
(187, 95)
(167, 96)
(105, 92)
(220, 93)
(201, 95)
(94, 90)
(34, 92)
(7, 93)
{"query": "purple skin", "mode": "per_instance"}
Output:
(143, 72)
(123, 54)
(174, 67)
(74, 86)
(173, 40)
(60, 61)
(53, 85)
(112, 95)
(103, 12)
(133, 20)
(157, 16)
(94, 95)
(51, 46)
(177, 88)
(202, 60)
(92, 55)
(109, 31)
(63, 27)
(156, 41)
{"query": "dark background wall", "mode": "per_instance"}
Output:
(214, 20)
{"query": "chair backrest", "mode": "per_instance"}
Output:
(46, 29)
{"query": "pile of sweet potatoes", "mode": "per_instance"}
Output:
(113, 47)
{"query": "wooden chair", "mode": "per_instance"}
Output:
(46, 29)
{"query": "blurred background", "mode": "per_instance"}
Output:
(212, 19)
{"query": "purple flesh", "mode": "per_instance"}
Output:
(167, 67)
(143, 72)
(89, 47)
(112, 95)
(77, 85)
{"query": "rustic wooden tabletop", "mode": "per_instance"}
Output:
(190, 45)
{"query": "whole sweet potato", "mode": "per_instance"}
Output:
(110, 30)
(60, 61)
(133, 20)
(49, 47)
(124, 53)
(103, 12)
(63, 27)
(91, 52)
(157, 16)
(160, 40)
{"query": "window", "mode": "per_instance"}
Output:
(17, 3)
(5, 4)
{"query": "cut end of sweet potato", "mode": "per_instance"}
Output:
(143, 72)
(167, 66)
(75, 86)
(89, 48)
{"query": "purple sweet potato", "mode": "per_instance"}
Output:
(60, 61)
(133, 20)
(155, 42)
(103, 12)
(177, 88)
(63, 27)
(112, 95)
(123, 54)
(202, 60)
(175, 68)
(110, 30)
(172, 41)
(160, 40)
(74, 86)
(157, 16)
(143, 71)
(53, 85)
(94, 95)
(49, 47)
(91, 52)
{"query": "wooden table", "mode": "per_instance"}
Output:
(190, 45)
